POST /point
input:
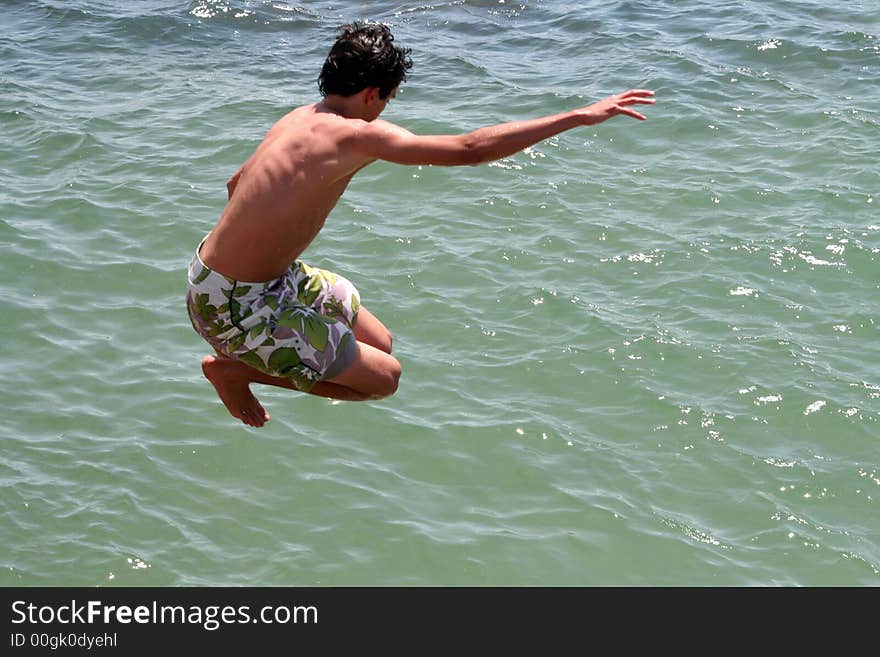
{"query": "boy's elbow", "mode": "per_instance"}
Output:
(232, 183)
(472, 151)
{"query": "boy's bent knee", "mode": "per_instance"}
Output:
(391, 380)
(387, 384)
(373, 373)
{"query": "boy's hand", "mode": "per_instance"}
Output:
(617, 104)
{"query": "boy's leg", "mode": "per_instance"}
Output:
(368, 329)
(373, 374)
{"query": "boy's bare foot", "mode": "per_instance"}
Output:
(231, 380)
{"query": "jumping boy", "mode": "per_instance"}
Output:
(275, 320)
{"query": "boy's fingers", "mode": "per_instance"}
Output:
(632, 113)
(642, 95)
(634, 100)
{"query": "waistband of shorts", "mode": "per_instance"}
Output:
(199, 271)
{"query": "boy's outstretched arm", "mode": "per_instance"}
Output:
(386, 141)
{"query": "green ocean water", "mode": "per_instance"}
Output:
(635, 354)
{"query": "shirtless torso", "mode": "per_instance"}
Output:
(280, 198)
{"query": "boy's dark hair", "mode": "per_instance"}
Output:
(364, 56)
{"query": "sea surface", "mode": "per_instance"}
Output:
(636, 354)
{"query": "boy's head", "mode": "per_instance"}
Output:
(364, 56)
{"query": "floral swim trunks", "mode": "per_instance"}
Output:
(298, 326)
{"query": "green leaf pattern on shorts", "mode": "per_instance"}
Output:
(283, 360)
(317, 331)
(295, 326)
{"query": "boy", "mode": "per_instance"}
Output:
(275, 320)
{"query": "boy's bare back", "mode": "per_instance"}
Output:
(281, 196)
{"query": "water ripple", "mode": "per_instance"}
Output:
(633, 354)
